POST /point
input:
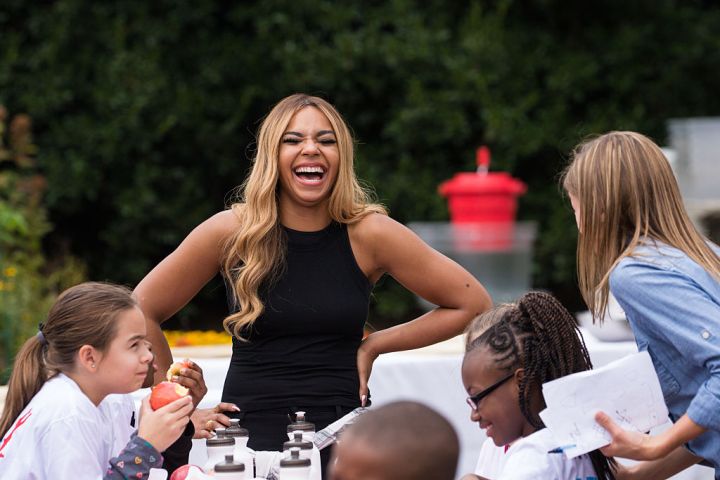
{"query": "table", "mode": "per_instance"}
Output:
(429, 375)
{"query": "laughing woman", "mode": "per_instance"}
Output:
(300, 252)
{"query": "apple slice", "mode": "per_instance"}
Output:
(175, 369)
(166, 392)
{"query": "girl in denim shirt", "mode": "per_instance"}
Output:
(637, 242)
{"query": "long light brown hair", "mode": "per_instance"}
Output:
(255, 253)
(82, 315)
(627, 194)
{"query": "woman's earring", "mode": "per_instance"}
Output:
(92, 366)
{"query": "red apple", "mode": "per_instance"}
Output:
(175, 369)
(181, 473)
(166, 392)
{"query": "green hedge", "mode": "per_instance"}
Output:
(145, 111)
(29, 280)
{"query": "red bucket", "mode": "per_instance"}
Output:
(483, 201)
(480, 198)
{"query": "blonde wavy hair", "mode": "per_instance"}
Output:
(255, 253)
(627, 192)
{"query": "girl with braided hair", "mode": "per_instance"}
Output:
(510, 352)
(637, 242)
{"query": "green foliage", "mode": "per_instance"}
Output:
(146, 111)
(29, 281)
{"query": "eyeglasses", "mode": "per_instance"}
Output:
(474, 400)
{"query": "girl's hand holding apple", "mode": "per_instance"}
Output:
(163, 426)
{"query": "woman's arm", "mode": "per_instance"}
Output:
(640, 446)
(383, 245)
(678, 319)
(179, 277)
(672, 464)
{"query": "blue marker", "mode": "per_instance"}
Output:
(561, 449)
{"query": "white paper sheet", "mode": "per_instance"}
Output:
(627, 390)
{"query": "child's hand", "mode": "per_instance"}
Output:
(192, 378)
(165, 425)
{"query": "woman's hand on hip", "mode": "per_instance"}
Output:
(365, 358)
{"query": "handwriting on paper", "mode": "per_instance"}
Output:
(627, 390)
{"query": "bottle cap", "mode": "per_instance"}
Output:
(235, 430)
(300, 424)
(297, 442)
(221, 440)
(230, 465)
(294, 461)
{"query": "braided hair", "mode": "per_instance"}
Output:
(540, 336)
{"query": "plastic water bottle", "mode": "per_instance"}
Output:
(294, 467)
(241, 453)
(229, 469)
(307, 428)
(298, 442)
(217, 449)
(307, 450)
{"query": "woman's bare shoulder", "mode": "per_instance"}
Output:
(223, 224)
(374, 225)
(375, 236)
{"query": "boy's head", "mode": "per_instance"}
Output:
(398, 441)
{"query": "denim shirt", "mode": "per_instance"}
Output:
(673, 306)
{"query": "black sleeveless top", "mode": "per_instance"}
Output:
(302, 349)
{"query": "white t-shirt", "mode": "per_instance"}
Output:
(527, 459)
(60, 434)
(119, 409)
(491, 460)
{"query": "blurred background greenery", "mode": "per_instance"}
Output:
(29, 280)
(144, 116)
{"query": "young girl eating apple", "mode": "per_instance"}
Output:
(91, 345)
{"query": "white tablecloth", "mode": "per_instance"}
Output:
(430, 375)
